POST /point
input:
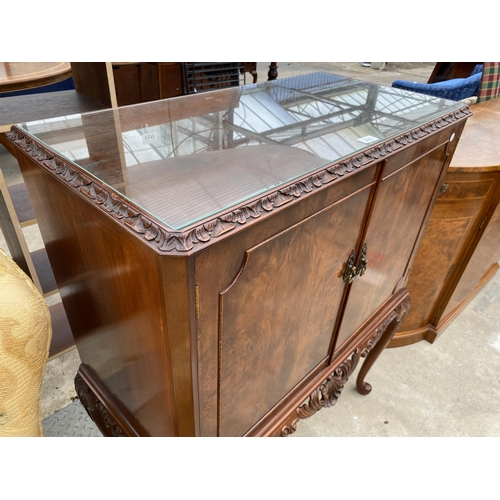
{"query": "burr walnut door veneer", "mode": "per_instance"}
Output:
(226, 259)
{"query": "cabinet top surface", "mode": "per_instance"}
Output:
(478, 148)
(23, 75)
(192, 158)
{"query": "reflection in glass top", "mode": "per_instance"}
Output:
(189, 158)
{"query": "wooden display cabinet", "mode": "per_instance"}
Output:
(228, 264)
(124, 83)
(461, 247)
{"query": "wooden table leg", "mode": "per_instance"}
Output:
(392, 323)
(273, 72)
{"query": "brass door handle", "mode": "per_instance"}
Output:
(362, 262)
(351, 271)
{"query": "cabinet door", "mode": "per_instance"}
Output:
(400, 208)
(278, 314)
(482, 265)
(453, 225)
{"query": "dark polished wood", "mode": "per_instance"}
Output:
(126, 83)
(16, 211)
(324, 390)
(461, 247)
(386, 332)
(272, 74)
(63, 341)
(226, 327)
(100, 408)
(94, 80)
(28, 108)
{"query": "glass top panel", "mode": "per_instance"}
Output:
(190, 158)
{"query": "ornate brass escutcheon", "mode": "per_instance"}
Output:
(362, 262)
(351, 271)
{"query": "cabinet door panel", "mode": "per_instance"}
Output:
(277, 317)
(486, 255)
(432, 267)
(394, 227)
(454, 221)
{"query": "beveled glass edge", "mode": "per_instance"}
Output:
(196, 236)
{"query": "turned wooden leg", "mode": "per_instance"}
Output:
(400, 314)
(273, 72)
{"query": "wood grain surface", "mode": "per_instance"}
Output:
(459, 252)
(231, 335)
(479, 148)
(26, 75)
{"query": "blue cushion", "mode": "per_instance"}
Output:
(455, 90)
(67, 84)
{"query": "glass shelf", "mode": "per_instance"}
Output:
(186, 159)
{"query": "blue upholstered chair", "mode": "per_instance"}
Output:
(67, 84)
(455, 90)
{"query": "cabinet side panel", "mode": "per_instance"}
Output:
(431, 268)
(127, 83)
(91, 79)
(110, 286)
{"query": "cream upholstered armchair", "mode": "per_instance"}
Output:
(25, 335)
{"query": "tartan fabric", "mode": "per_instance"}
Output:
(490, 82)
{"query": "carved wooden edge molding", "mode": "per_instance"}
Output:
(96, 410)
(164, 240)
(328, 393)
(107, 423)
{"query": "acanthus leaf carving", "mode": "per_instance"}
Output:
(136, 223)
(239, 217)
(209, 226)
(282, 198)
(151, 232)
(80, 181)
(222, 227)
(316, 180)
(95, 409)
(179, 242)
(84, 395)
(202, 234)
(306, 186)
(328, 392)
(268, 202)
(251, 210)
(165, 241)
(327, 177)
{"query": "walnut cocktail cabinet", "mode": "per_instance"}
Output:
(225, 259)
(461, 246)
